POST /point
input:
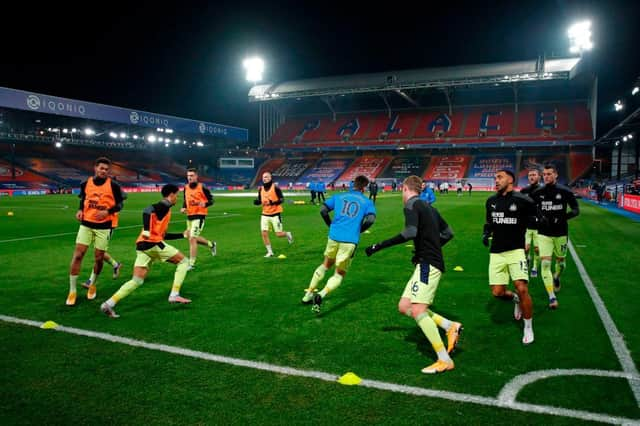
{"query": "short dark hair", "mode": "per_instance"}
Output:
(169, 189)
(509, 172)
(360, 182)
(192, 169)
(103, 160)
(534, 169)
(551, 166)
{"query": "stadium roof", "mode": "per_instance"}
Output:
(620, 132)
(82, 110)
(443, 77)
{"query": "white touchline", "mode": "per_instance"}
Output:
(37, 237)
(617, 341)
(328, 377)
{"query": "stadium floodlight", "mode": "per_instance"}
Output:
(151, 138)
(617, 143)
(65, 131)
(135, 136)
(89, 132)
(160, 139)
(619, 106)
(123, 135)
(254, 67)
(168, 131)
(630, 135)
(58, 145)
(580, 37)
(166, 145)
(113, 135)
(199, 143)
(635, 90)
(624, 139)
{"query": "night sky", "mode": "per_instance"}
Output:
(184, 59)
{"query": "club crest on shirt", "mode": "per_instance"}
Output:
(513, 208)
(558, 197)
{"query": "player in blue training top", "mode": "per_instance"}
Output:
(353, 214)
(427, 193)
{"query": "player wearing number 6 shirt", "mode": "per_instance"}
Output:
(553, 234)
(429, 232)
(508, 214)
(353, 214)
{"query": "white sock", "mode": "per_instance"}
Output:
(528, 323)
(269, 249)
(444, 356)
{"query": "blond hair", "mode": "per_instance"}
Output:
(413, 183)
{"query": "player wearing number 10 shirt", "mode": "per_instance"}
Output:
(353, 214)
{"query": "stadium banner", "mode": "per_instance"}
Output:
(36, 102)
(327, 171)
(367, 166)
(484, 167)
(447, 168)
(631, 203)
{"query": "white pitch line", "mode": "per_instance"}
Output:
(36, 237)
(617, 341)
(510, 390)
(329, 377)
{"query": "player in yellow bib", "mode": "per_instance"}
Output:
(197, 199)
(100, 199)
(270, 198)
(151, 247)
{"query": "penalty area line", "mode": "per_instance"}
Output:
(329, 377)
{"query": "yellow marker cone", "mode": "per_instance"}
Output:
(349, 379)
(409, 245)
(282, 256)
(9, 213)
(458, 268)
(367, 232)
(49, 324)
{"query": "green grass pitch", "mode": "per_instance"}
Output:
(248, 307)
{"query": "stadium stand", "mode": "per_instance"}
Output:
(404, 166)
(291, 171)
(447, 168)
(367, 166)
(326, 170)
(477, 125)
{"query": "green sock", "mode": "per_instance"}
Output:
(125, 290)
(547, 277)
(560, 267)
(536, 260)
(178, 277)
(333, 283)
(318, 275)
(440, 321)
(430, 329)
(209, 243)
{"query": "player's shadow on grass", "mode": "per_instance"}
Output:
(352, 295)
(500, 311)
